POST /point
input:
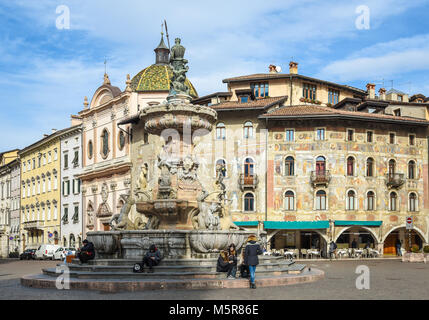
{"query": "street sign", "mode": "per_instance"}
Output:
(409, 223)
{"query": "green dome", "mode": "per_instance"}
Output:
(157, 78)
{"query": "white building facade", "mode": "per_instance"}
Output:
(71, 194)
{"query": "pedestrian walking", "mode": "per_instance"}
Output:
(398, 246)
(251, 252)
(332, 248)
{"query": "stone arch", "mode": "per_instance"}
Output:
(418, 230)
(371, 231)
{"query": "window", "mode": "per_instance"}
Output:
(248, 167)
(399, 97)
(289, 201)
(393, 201)
(76, 159)
(309, 91)
(55, 154)
(23, 166)
(397, 112)
(289, 166)
(221, 164)
(350, 133)
(320, 134)
(66, 160)
(49, 157)
(320, 166)
(39, 160)
(44, 159)
(290, 135)
(412, 140)
(391, 138)
(370, 167)
(75, 217)
(220, 130)
(248, 130)
(105, 143)
(369, 136)
(260, 90)
(249, 202)
(90, 149)
(34, 163)
(370, 201)
(244, 99)
(350, 166)
(333, 96)
(66, 215)
(412, 202)
(411, 170)
(351, 200)
(392, 167)
(321, 200)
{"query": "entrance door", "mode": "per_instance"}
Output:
(248, 171)
(389, 243)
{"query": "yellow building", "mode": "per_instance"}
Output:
(8, 156)
(41, 191)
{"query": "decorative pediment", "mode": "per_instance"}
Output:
(104, 210)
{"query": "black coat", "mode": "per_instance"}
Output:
(156, 254)
(89, 249)
(251, 252)
(222, 266)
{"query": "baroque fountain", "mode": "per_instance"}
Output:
(178, 214)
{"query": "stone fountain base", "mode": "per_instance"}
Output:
(172, 243)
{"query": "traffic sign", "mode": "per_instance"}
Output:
(409, 223)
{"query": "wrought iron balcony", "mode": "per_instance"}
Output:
(394, 180)
(248, 181)
(320, 178)
(34, 224)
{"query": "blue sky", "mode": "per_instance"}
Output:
(46, 72)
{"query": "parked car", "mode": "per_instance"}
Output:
(61, 252)
(27, 254)
(45, 251)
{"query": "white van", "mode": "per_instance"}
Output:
(45, 251)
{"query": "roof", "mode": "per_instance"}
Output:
(317, 111)
(268, 76)
(395, 91)
(212, 95)
(258, 104)
(157, 78)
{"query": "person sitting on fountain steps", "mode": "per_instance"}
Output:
(225, 264)
(87, 252)
(151, 259)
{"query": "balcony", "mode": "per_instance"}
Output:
(248, 182)
(394, 180)
(34, 225)
(320, 178)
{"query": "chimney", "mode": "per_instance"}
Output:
(370, 89)
(272, 68)
(293, 67)
(382, 94)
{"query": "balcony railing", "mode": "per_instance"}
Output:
(34, 224)
(320, 178)
(248, 181)
(394, 180)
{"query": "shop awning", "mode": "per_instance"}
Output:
(357, 223)
(246, 223)
(296, 225)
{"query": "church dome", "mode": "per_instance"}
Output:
(157, 78)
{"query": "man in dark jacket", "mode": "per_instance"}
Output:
(87, 252)
(152, 258)
(332, 248)
(251, 252)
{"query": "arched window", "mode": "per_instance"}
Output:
(105, 143)
(351, 196)
(370, 167)
(289, 201)
(289, 166)
(412, 199)
(393, 199)
(72, 241)
(248, 130)
(249, 167)
(411, 170)
(221, 164)
(320, 166)
(370, 201)
(220, 130)
(249, 202)
(64, 242)
(90, 149)
(392, 167)
(321, 200)
(350, 166)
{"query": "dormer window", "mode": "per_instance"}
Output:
(260, 90)
(333, 96)
(244, 99)
(309, 91)
(399, 97)
(397, 112)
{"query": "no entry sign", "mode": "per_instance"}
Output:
(409, 223)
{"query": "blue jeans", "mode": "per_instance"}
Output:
(252, 270)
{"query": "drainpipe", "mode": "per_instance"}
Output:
(290, 77)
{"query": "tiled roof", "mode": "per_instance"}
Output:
(254, 104)
(268, 76)
(157, 78)
(317, 110)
